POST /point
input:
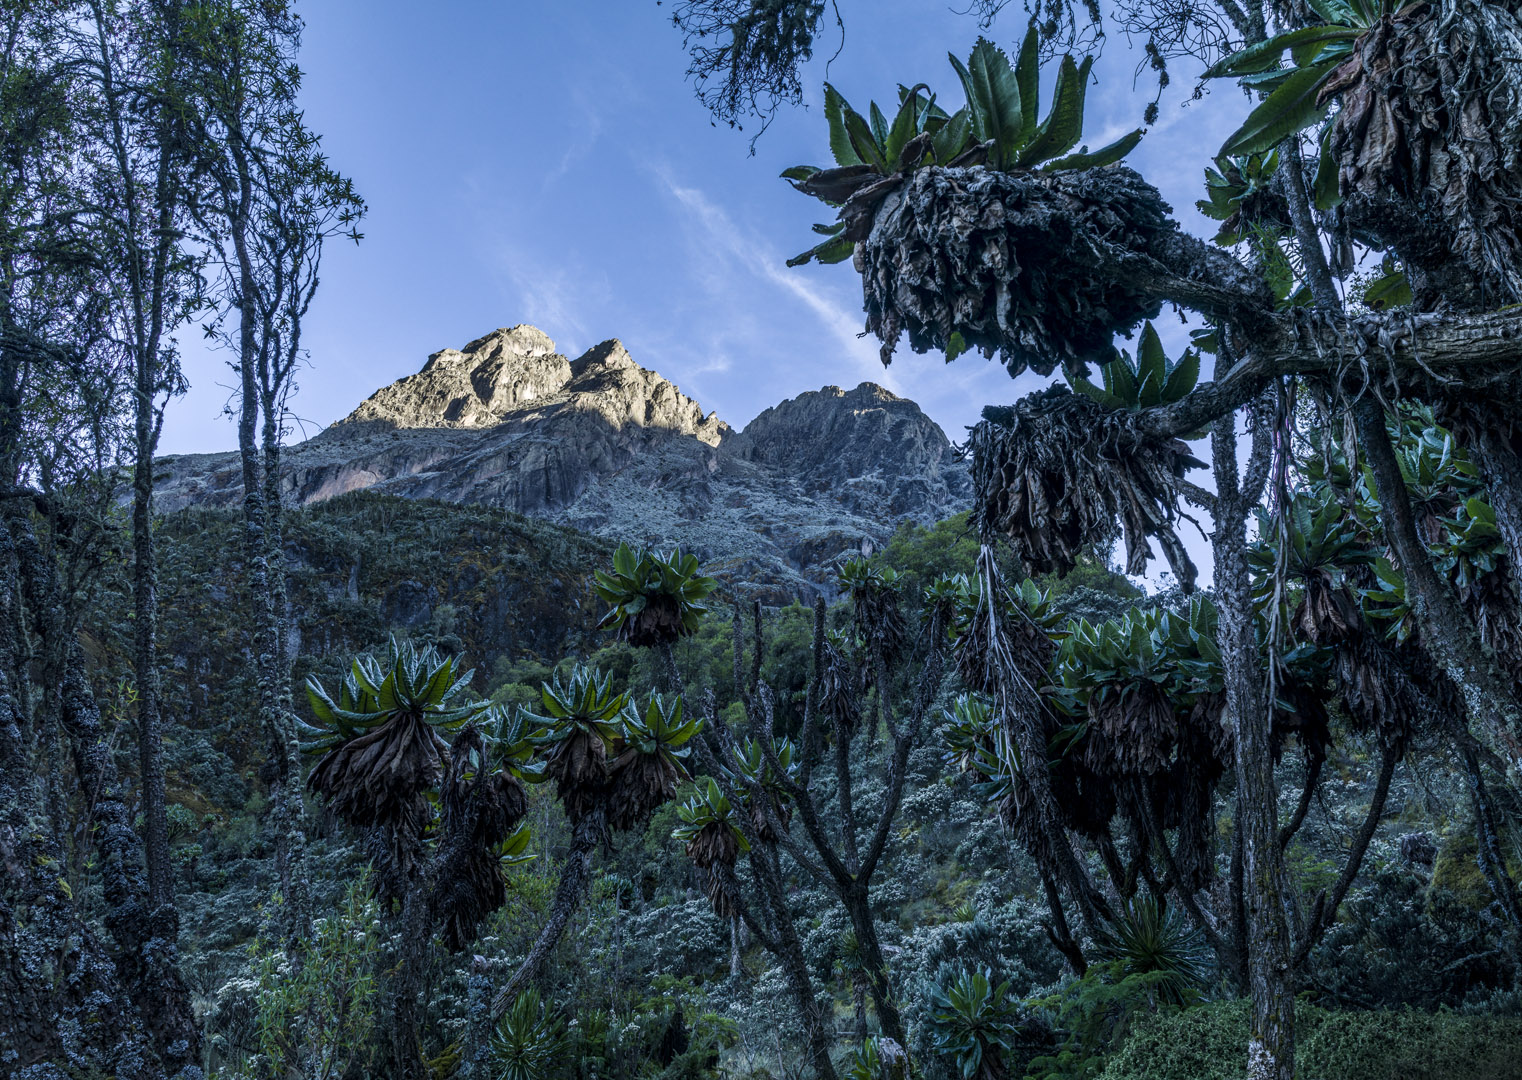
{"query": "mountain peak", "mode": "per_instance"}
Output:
(607, 446)
(471, 387)
(607, 355)
(607, 380)
(866, 392)
(495, 378)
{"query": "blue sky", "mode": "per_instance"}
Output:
(549, 164)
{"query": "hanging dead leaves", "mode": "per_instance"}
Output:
(1429, 140)
(714, 844)
(1056, 471)
(840, 683)
(378, 778)
(1015, 263)
(578, 764)
(641, 784)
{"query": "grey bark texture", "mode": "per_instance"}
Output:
(45, 1020)
(1271, 1046)
(1490, 697)
(146, 962)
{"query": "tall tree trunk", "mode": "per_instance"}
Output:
(287, 815)
(271, 674)
(818, 1029)
(403, 986)
(874, 965)
(145, 603)
(1271, 1047)
(778, 932)
(1447, 632)
(575, 880)
(147, 962)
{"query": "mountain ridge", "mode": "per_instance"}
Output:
(612, 448)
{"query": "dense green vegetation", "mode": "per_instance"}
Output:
(646, 965)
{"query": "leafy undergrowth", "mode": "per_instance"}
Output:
(1205, 1043)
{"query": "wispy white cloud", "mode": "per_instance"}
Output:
(741, 250)
(580, 146)
(550, 297)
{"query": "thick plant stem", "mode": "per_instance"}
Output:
(875, 965)
(1271, 1046)
(1447, 632)
(1239, 934)
(403, 986)
(669, 669)
(575, 880)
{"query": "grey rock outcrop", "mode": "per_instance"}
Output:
(473, 387)
(608, 447)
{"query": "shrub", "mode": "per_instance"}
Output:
(316, 1018)
(1210, 1043)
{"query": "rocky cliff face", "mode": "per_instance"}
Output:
(611, 448)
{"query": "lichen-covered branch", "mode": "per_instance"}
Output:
(1417, 353)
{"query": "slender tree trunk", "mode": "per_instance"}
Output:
(1491, 860)
(817, 1028)
(150, 236)
(1271, 1046)
(145, 659)
(266, 595)
(735, 970)
(146, 961)
(575, 880)
(294, 873)
(781, 940)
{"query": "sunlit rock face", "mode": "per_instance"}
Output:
(473, 387)
(612, 448)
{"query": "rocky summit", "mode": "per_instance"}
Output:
(608, 447)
